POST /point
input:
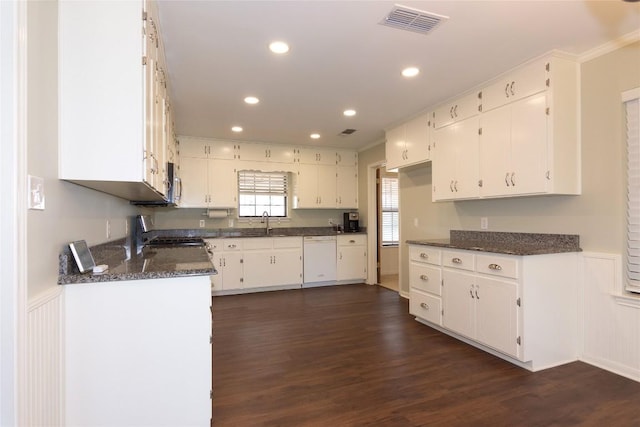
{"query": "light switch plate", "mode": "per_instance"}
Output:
(484, 223)
(36, 193)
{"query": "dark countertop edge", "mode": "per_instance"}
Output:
(73, 279)
(522, 251)
(243, 233)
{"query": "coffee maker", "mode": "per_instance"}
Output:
(350, 222)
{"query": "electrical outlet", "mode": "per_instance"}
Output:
(201, 223)
(415, 222)
(484, 223)
(108, 229)
(36, 193)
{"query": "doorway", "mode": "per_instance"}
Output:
(387, 219)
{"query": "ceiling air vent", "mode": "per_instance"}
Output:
(406, 18)
(347, 132)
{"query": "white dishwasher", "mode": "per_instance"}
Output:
(319, 259)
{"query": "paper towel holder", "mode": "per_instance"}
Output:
(216, 213)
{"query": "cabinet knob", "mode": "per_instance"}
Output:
(352, 241)
(424, 277)
(423, 255)
(495, 267)
(424, 305)
(456, 260)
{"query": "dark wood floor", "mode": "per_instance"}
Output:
(352, 355)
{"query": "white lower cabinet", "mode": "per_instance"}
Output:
(352, 257)
(254, 263)
(138, 353)
(521, 308)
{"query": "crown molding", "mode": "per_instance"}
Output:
(610, 46)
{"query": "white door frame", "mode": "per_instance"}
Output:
(372, 222)
(13, 271)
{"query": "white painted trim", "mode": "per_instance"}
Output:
(616, 368)
(43, 298)
(631, 94)
(610, 46)
(372, 222)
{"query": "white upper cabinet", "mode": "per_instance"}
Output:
(271, 153)
(113, 104)
(208, 149)
(457, 110)
(346, 158)
(518, 84)
(316, 156)
(526, 139)
(529, 143)
(409, 143)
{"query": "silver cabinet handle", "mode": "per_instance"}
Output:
(471, 292)
(424, 277)
(495, 267)
(506, 179)
(456, 260)
(506, 90)
(511, 88)
(455, 111)
(477, 296)
(424, 305)
(513, 182)
(451, 186)
(423, 255)
(451, 112)
(455, 186)
(231, 246)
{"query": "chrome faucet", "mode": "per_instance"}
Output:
(268, 229)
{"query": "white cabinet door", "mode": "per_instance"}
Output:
(497, 314)
(306, 187)
(222, 184)
(193, 147)
(458, 302)
(457, 110)
(316, 156)
(232, 274)
(395, 147)
(194, 174)
(352, 262)
(287, 267)
(444, 163)
(467, 166)
(417, 140)
(346, 158)
(347, 187)
(518, 84)
(529, 145)
(217, 280)
(326, 189)
(258, 269)
(495, 152)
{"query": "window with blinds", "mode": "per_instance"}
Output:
(632, 107)
(389, 190)
(262, 192)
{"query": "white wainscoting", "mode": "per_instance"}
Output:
(45, 359)
(610, 328)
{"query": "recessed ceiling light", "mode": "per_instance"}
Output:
(349, 113)
(279, 47)
(237, 128)
(314, 136)
(251, 100)
(410, 72)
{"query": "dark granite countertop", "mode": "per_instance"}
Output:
(152, 263)
(221, 233)
(506, 243)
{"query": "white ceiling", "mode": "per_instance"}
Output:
(342, 58)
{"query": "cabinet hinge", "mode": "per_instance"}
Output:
(548, 175)
(144, 60)
(480, 95)
(548, 82)
(443, 311)
(518, 302)
(518, 340)
(210, 339)
(548, 110)
(480, 108)
(144, 15)
(479, 131)
(548, 66)
(242, 280)
(241, 260)
(479, 183)
(210, 394)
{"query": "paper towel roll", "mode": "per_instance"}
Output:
(217, 213)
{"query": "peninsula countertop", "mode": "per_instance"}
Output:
(506, 243)
(152, 263)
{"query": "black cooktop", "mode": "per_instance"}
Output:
(175, 241)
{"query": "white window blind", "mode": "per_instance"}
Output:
(633, 194)
(262, 192)
(390, 215)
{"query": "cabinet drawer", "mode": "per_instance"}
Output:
(458, 259)
(287, 242)
(425, 306)
(355, 240)
(424, 278)
(232, 244)
(258, 243)
(498, 265)
(426, 254)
